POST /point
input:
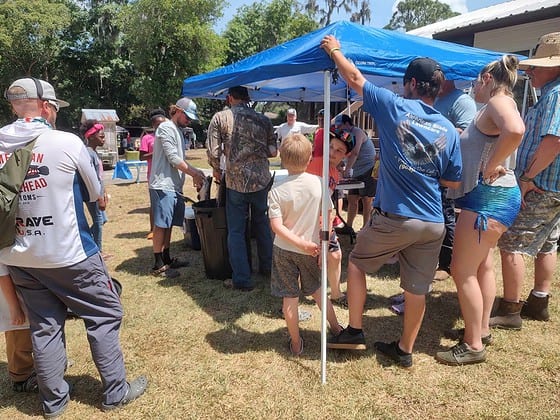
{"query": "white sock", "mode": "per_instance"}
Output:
(539, 294)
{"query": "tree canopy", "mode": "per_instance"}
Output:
(133, 55)
(412, 14)
(263, 25)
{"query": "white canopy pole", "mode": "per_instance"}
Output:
(325, 208)
(525, 92)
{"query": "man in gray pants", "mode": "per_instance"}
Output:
(54, 261)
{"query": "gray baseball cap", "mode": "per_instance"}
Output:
(189, 107)
(31, 88)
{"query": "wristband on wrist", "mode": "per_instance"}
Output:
(524, 178)
(333, 50)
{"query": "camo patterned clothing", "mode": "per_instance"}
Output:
(245, 138)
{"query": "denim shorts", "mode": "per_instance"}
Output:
(168, 208)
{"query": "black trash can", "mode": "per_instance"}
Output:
(212, 229)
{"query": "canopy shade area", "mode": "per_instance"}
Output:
(299, 70)
(293, 71)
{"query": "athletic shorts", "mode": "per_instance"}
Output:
(294, 274)
(416, 242)
(536, 229)
(168, 208)
(370, 185)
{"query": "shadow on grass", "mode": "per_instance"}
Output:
(140, 210)
(86, 390)
(235, 340)
(227, 306)
(442, 313)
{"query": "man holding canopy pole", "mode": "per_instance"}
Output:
(419, 152)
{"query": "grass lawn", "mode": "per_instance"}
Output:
(211, 353)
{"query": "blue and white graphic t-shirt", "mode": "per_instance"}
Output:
(418, 146)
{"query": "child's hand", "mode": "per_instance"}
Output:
(311, 248)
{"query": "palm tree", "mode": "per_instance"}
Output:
(363, 15)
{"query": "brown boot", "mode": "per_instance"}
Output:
(536, 308)
(507, 315)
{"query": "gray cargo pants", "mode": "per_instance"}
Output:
(87, 289)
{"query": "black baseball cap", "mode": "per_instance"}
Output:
(422, 69)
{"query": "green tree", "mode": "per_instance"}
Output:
(264, 25)
(94, 59)
(363, 15)
(329, 7)
(167, 41)
(412, 14)
(31, 40)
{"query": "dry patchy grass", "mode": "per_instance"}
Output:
(211, 353)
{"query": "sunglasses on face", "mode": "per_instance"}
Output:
(54, 104)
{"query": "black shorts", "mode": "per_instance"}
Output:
(370, 185)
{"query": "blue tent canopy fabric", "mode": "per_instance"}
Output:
(293, 71)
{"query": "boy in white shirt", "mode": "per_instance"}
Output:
(294, 212)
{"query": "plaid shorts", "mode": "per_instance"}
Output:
(536, 229)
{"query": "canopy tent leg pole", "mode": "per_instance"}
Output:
(325, 208)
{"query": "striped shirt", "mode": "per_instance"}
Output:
(542, 119)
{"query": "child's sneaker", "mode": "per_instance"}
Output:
(398, 308)
(337, 223)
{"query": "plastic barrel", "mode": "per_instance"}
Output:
(212, 229)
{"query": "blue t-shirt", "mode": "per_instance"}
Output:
(457, 107)
(418, 146)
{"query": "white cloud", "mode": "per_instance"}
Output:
(459, 6)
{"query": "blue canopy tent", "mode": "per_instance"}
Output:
(299, 70)
(293, 71)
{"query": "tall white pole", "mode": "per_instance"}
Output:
(325, 208)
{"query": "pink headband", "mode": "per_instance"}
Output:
(96, 127)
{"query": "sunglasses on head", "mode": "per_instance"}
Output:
(342, 135)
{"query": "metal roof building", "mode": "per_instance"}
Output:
(513, 26)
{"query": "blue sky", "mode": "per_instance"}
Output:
(382, 10)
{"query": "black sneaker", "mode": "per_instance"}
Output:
(135, 389)
(346, 341)
(391, 350)
(29, 385)
(459, 333)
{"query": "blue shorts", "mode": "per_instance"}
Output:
(498, 203)
(168, 208)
